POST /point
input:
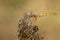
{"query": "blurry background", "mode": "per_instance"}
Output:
(12, 10)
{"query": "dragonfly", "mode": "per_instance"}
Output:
(30, 14)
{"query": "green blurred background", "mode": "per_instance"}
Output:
(12, 10)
